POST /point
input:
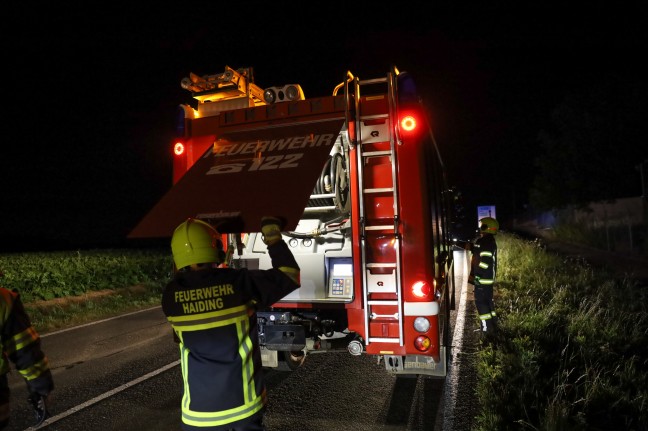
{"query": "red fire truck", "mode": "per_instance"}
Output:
(359, 181)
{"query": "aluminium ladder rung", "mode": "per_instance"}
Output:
(380, 265)
(382, 302)
(380, 227)
(379, 190)
(384, 340)
(366, 118)
(377, 153)
(394, 316)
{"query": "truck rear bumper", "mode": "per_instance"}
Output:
(417, 365)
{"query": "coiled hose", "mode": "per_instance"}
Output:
(333, 180)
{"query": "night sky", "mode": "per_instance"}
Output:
(91, 94)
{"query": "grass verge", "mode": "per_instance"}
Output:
(572, 350)
(52, 315)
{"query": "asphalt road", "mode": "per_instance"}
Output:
(123, 374)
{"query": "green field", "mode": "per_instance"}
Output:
(61, 289)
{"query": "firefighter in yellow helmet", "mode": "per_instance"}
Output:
(21, 346)
(483, 268)
(213, 313)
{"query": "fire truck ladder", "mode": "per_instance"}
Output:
(377, 170)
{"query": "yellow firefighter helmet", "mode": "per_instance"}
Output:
(194, 242)
(489, 225)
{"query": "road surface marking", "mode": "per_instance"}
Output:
(98, 321)
(105, 395)
(451, 384)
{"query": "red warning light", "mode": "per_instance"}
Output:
(421, 289)
(408, 123)
(178, 148)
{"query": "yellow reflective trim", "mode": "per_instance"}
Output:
(247, 369)
(485, 281)
(486, 253)
(198, 322)
(293, 273)
(483, 265)
(486, 316)
(210, 315)
(205, 419)
(184, 357)
(30, 373)
(21, 340)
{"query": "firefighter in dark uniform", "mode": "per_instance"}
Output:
(213, 313)
(21, 346)
(483, 268)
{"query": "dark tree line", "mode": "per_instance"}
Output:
(593, 146)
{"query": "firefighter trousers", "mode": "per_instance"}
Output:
(485, 307)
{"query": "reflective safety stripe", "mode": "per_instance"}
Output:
(205, 419)
(485, 254)
(30, 373)
(214, 319)
(293, 273)
(186, 398)
(485, 281)
(486, 316)
(483, 265)
(245, 351)
(21, 340)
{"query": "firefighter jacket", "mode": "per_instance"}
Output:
(213, 313)
(21, 346)
(483, 264)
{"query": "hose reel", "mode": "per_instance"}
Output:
(331, 192)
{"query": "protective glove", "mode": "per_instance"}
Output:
(271, 230)
(39, 403)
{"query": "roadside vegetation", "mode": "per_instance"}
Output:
(67, 288)
(572, 349)
(571, 353)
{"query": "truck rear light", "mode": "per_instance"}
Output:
(421, 289)
(422, 343)
(421, 324)
(408, 123)
(178, 148)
